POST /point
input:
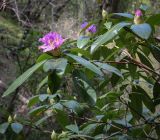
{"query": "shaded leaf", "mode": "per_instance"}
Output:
(43, 57)
(89, 129)
(156, 93)
(17, 127)
(62, 118)
(83, 88)
(144, 60)
(158, 131)
(42, 83)
(155, 51)
(41, 120)
(154, 19)
(54, 82)
(34, 100)
(3, 127)
(135, 104)
(145, 98)
(38, 110)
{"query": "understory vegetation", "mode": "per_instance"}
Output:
(102, 84)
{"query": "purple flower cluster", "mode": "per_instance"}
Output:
(51, 41)
(138, 13)
(92, 28)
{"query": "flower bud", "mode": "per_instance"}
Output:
(10, 119)
(138, 17)
(54, 135)
(48, 91)
(63, 135)
(52, 101)
(104, 14)
(15, 117)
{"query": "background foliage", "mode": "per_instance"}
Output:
(105, 86)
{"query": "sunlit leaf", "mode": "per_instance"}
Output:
(82, 41)
(130, 16)
(142, 30)
(86, 63)
(109, 68)
(108, 36)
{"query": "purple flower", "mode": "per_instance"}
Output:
(138, 13)
(92, 28)
(84, 24)
(51, 41)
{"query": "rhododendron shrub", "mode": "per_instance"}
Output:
(104, 85)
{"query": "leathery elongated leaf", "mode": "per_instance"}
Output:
(86, 63)
(108, 36)
(21, 79)
(142, 30)
(109, 68)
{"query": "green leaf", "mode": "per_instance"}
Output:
(34, 100)
(89, 129)
(132, 70)
(155, 51)
(86, 63)
(109, 68)
(144, 7)
(135, 104)
(124, 15)
(145, 98)
(43, 57)
(90, 91)
(142, 30)
(81, 51)
(38, 110)
(156, 93)
(144, 60)
(43, 97)
(21, 79)
(108, 36)
(41, 120)
(74, 105)
(108, 25)
(17, 127)
(73, 128)
(55, 64)
(82, 41)
(57, 106)
(154, 19)
(42, 83)
(62, 118)
(83, 88)
(3, 127)
(158, 131)
(54, 82)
